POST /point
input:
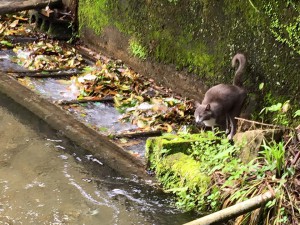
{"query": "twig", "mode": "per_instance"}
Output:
(270, 188)
(296, 158)
(259, 123)
(46, 74)
(291, 200)
(288, 142)
(12, 6)
(85, 52)
(78, 101)
(20, 39)
(139, 134)
(41, 71)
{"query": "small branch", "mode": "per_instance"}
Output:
(288, 142)
(296, 158)
(259, 123)
(20, 39)
(46, 74)
(78, 101)
(34, 71)
(234, 211)
(139, 134)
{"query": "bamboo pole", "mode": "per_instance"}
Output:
(234, 211)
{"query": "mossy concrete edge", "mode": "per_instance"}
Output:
(87, 138)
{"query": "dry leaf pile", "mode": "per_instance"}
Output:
(47, 55)
(141, 101)
(14, 25)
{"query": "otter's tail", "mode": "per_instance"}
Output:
(240, 70)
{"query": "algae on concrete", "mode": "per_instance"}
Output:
(168, 144)
(201, 36)
(181, 175)
(169, 157)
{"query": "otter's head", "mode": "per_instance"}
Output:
(203, 114)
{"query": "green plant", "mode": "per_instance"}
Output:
(137, 49)
(283, 28)
(211, 176)
(214, 199)
(274, 155)
(173, 1)
(277, 112)
(217, 156)
(6, 43)
(277, 109)
(297, 113)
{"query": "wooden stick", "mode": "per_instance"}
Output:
(234, 211)
(20, 39)
(139, 134)
(78, 101)
(259, 123)
(11, 6)
(46, 74)
(37, 71)
(296, 158)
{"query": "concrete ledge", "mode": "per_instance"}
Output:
(87, 138)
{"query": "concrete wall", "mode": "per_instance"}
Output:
(188, 44)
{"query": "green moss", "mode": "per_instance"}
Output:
(177, 171)
(202, 36)
(187, 170)
(284, 25)
(173, 1)
(172, 157)
(93, 14)
(159, 147)
(180, 174)
(137, 49)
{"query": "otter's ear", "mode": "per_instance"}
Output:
(197, 104)
(207, 107)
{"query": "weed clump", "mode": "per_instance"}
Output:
(220, 178)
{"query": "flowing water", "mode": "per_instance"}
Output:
(45, 179)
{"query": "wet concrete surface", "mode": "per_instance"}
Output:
(104, 118)
(46, 179)
(6, 64)
(95, 118)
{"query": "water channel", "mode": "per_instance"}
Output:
(45, 179)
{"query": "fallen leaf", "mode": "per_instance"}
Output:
(14, 23)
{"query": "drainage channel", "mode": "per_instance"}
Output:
(56, 86)
(93, 123)
(46, 179)
(72, 128)
(74, 163)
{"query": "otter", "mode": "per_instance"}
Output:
(223, 102)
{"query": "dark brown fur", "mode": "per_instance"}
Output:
(223, 102)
